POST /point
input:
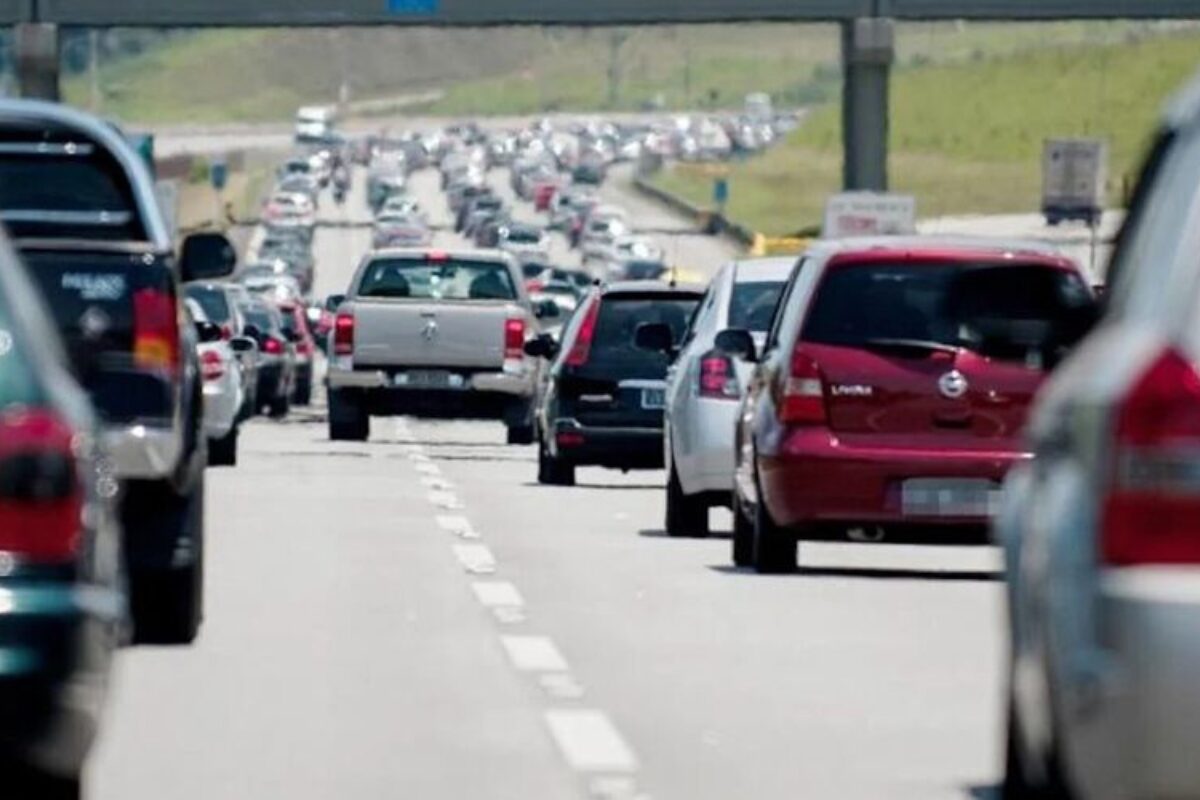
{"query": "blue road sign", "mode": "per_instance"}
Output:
(721, 191)
(412, 6)
(218, 173)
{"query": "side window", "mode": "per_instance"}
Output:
(785, 302)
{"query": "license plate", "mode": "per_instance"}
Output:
(950, 497)
(428, 379)
(654, 398)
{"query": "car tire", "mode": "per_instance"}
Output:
(280, 406)
(686, 516)
(348, 420)
(223, 452)
(25, 782)
(743, 536)
(774, 546)
(302, 394)
(521, 435)
(552, 471)
(1018, 784)
(168, 603)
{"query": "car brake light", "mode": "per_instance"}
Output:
(343, 335)
(718, 379)
(514, 339)
(803, 400)
(273, 346)
(226, 332)
(582, 346)
(569, 439)
(212, 366)
(304, 347)
(437, 256)
(1153, 501)
(41, 501)
(155, 330)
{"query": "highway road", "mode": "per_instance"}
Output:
(416, 617)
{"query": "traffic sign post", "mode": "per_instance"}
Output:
(720, 194)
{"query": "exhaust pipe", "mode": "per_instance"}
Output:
(871, 535)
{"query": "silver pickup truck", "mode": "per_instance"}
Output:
(435, 334)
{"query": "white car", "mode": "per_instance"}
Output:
(704, 391)
(627, 249)
(1101, 529)
(525, 243)
(602, 230)
(224, 387)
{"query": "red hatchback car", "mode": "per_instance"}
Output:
(891, 393)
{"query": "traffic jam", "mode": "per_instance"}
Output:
(905, 389)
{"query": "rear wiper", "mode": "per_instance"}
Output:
(921, 345)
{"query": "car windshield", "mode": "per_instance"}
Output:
(1004, 311)
(212, 300)
(437, 280)
(752, 305)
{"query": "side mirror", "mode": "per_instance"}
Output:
(292, 335)
(243, 344)
(206, 256)
(656, 337)
(738, 343)
(547, 309)
(333, 301)
(252, 332)
(542, 346)
(208, 332)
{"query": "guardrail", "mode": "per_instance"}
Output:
(707, 221)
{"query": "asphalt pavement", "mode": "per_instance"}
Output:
(414, 617)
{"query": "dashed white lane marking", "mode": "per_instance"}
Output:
(446, 500)
(561, 686)
(475, 558)
(534, 654)
(459, 526)
(589, 741)
(436, 483)
(428, 468)
(615, 787)
(497, 594)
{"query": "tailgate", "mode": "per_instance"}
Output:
(406, 333)
(91, 298)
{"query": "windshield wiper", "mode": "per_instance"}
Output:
(922, 345)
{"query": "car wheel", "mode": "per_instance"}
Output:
(552, 471)
(521, 434)
(774, 546)
(686, 516)
(302, 394)
(743, 536)
(25, 782)
(168, 603)
(280, 406)
(223, 452)
(348, 420)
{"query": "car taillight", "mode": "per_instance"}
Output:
(718, 378)
(273, 346)
(212, 366)
(1153, 504)
(582, 347)
(304, 347)
(41, 501)
(803, 398)
(155, 330)
(514, 339)
(343, 335)
(226, 332)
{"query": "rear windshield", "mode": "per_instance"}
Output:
(523, 236)
(441, 280)
(752, 306)
(1005, 312)
(213, 301)
(644, 270)
(59, 195)
(262, 319)
(620, 318)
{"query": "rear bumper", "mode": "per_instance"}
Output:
(382, 380)
(1135, 739)
(816, 478)
(143, 451)
(619, 448)
(56, 648)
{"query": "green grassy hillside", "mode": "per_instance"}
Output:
(967, 137)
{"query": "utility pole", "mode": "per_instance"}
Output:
(94, 68)
(616, 41)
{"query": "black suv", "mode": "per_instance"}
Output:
(80, 206)
(603, 396)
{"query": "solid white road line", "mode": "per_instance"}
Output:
(534, 654)
(475, 558)
(497, 594)
(589, 741)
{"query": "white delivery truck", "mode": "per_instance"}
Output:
(315, 124)
(1074, 174)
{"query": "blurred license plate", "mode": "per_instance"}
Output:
(951, 497)
(428, 379)
(654, 398)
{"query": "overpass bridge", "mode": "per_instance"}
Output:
(867, 30)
